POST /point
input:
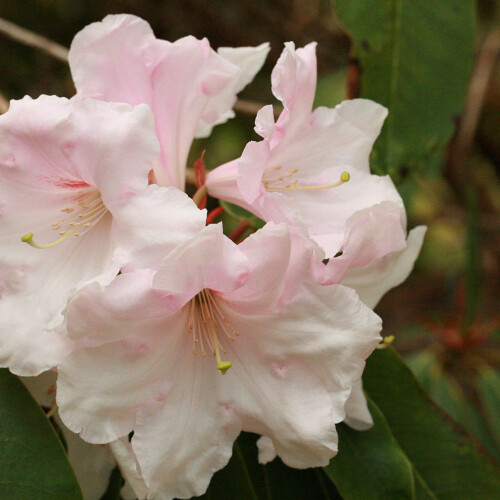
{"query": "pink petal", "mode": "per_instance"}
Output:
(268, 252)
(374, 280)
(153, 223)
(371, 234)
(182, 439)
(249, 60)
(188, 86)
(357, 414)
(294, 84)
(307, 354)
(215, 261)
(103, 69)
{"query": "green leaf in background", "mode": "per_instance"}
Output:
(245, 479)
(240, 214)
(114, 487)
(330, 89)
(450, 464)
(370, 464)
(488, 387)
(415, 57)
(33, 463)
(447, 393)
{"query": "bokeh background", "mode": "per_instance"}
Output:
(446, 317)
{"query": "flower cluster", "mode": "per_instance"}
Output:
(112, 276)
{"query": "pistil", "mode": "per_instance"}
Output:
(293, 185)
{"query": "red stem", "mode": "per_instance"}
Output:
(214, 214)
(240, 229)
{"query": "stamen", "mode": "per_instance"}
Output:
(205, 311)
(222, 366)
(92, 210)
(28, 238)
(344, 177)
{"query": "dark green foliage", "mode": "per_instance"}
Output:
(33, 463)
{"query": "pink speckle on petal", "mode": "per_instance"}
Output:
(124, 195)
(279, 369)
(9, 161)
(67, 147)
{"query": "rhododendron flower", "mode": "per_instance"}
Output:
(189, 87)
(74, 185)
(311, 168)
(154, 343)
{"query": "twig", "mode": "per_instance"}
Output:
(27, 37)
(251, 107)
(51, 412)
(480, 79)
(4, 104)
(190, 178)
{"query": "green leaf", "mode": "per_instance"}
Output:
(33, 463)
(245, 479)
(370, 464)
(240, 214)
(331, 89)
(488, 386)
(114, 487)
(415, 57)
(451, 464)
(447, 393)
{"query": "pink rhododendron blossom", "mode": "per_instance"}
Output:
(311, 168)
(188, 86)
(74, 185)
(144, 360)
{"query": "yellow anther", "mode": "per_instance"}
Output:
(386, 342)
(389, 339)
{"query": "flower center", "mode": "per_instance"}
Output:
(206, 322)
(79, 219)
(277, 179)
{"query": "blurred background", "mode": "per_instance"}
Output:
(446, 316)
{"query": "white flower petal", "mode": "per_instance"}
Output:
(374, 280)
(357, 414)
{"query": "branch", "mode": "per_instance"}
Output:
(31, 39)
(480, 79)
(251, 107)
(4, 104)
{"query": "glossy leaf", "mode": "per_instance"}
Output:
(370, 464)
(444, 391)
(33, 463)
(415, 58)
(245, 479)
(450, 463)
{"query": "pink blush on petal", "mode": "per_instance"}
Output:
(71, 184)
